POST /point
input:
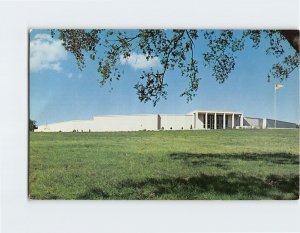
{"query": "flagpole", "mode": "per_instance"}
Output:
(275, 106)
(277, 87)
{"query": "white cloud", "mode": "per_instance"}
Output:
(139, 61)
(43, 37)
(69, 75)
(46, 53)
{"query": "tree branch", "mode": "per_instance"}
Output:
(292, 37)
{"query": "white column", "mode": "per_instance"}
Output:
(224, 121)
(242, 121)
(232, 121)
(215, 121)
(264, 123)
(195, 120)
(205, 120)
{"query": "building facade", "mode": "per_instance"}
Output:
(193, 120)
(265, 123)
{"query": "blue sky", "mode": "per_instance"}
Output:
(59, 91)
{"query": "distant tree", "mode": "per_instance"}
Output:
(176, 49)
(32, 125)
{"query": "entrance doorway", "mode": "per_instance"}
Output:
(219, 121)
(210, 121)
(226, 121)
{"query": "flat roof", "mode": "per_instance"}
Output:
(214, 111)
(126, 115)
(184, 114)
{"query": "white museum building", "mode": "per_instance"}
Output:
(197, 119)
(112, 123)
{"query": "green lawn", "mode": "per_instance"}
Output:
(216, 164)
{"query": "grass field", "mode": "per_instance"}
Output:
(216, 164)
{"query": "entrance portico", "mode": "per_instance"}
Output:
(217, 120)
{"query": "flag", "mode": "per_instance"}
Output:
(278, 86)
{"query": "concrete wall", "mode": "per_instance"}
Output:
(270, 123)
(67, 126)
(266, 123)
(177, 122)
(125, 123)
(200, 121)
(253, 122)
(106, 124)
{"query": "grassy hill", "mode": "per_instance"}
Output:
(215, 164)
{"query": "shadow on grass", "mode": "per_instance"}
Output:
(233, 186)
(276, 158)
(93, 194)
(236, 186)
